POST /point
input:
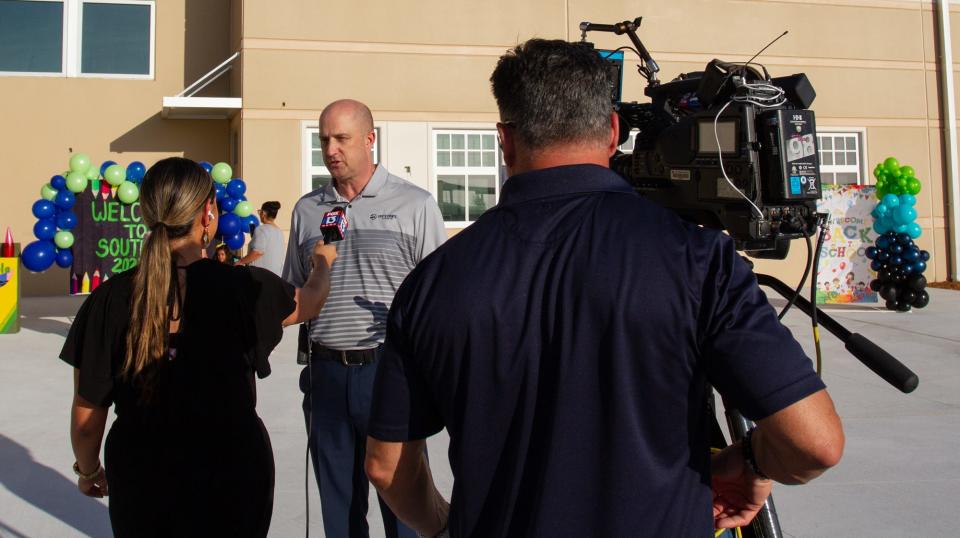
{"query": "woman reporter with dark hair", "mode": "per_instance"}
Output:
(174, 345)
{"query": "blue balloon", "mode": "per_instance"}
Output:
(883, 242)
(903, 238)
(876, 265)
(206, 166)
(890, 200)
(64, 257)
(45, 229)
(904, 214)
(881, 210)
(880, 226)
(924, 256)
(135, 171)
(44, 209)
(58, 182)
(900, 229)
(920, 266)
(104, 166)
(250, 222)
(908, 200)
(871, 253)
(38, 256)
(236, 188)
(221, 191)
(67, 220)
(896, 248)
(896, 260)
(911, 255)
(65, 199)
(883, 255)
(235, 242)
(228, 203)
(229, 225)
(914, 230)
(242, 198)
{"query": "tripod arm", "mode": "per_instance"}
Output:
(871, 355)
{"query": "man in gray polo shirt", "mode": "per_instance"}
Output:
(393, 224)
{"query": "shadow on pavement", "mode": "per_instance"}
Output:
(49, 491)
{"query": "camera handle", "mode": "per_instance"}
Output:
(871, 355)
(629, 28)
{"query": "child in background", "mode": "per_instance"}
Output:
(223, 254)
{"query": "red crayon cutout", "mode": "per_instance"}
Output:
(104, 190)
(8, 244)
(74, 284)
(95, 281)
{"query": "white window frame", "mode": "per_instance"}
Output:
(865, 177)
(72, 42)
(307, 170)
(435, 170)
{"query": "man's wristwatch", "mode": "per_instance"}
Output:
(749, 456)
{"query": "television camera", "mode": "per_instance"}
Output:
(728, 147)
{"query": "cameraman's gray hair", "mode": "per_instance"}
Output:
(552, 91)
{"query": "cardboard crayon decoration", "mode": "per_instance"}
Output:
(10, 292)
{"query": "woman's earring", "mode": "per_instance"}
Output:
(210, 214)
(205, 238)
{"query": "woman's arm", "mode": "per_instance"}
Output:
(313, 294)
(87, 422)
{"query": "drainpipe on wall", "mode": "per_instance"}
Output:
(950, 137)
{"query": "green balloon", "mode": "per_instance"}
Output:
(47, 192)
(80, 162)
(907, 171)
(63, 239)
(913, 186)
(892, 165)
(128, 192)
(115, 174)
(243, 209)
(93, 173)
(76, 182)
(221, 172)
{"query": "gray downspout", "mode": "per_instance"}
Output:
(950, 138)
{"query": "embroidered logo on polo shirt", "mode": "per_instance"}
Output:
(374, 216)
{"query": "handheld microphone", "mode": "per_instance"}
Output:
(333, 226)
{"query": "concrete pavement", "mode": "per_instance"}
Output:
(900, 475)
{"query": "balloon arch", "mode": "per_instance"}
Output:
(57, 220)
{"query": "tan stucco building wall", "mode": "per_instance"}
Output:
(425, 65)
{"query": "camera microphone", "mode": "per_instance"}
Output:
(333, 226)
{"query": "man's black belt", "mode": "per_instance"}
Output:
(348, 357)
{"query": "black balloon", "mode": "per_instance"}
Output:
(916, 282)
(907, 295)
(891, 305)
(923, 298)
(875, 284)
(889, 292)
(896, 249)
(903, 307)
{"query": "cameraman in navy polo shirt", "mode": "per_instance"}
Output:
(567, 341)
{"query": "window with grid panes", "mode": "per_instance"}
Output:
(111, 38)
(466, 168)
(841, 158)
(319, 175)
